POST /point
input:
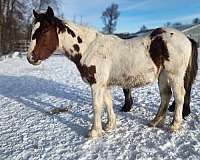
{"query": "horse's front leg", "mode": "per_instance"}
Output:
(111, 123)
(97, 98)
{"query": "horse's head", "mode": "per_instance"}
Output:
(44, 36)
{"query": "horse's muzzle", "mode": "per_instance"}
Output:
(33, 60)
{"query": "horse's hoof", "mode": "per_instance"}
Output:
(186, 111)
(150, 124)
(125, 109)
(157, 122)
(175, 126)
(110, 125)
(94, 134)
(173, 129)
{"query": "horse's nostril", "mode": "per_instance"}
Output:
(28, 58)
(34, 57)
(31, 59)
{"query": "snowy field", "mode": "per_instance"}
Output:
(28, 130)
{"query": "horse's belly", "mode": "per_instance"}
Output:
(137, 80)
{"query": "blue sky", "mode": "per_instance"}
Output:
(133, 13)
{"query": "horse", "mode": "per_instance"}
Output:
(166, 55)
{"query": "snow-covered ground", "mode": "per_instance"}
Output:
(29, 131)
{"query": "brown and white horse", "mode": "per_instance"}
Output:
(104, 60)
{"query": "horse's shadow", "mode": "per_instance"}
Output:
(25, 89)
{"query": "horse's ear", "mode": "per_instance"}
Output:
(50, 12)
(36, 15)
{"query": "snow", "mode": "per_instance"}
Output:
(28, 129)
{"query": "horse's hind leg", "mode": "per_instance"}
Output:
(186, 105)
(179, 93)
(165, 93)
(111, 124)
(128, 100)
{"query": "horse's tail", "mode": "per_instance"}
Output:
(190, 76)
(192, 68)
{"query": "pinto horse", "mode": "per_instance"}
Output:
(106, 60)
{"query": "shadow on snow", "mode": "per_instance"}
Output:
(25, 89)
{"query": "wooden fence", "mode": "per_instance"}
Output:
(21, 45)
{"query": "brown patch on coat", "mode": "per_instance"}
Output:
(86, 72)
(70, 32)
(76, 47)
(157, 32)
(158, 51)
(46, 41)
(79, 40)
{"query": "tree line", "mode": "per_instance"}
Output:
(15, 20)
(112, 13)
(16, 16)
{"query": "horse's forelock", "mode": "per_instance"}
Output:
(43, 18)
(35, 27)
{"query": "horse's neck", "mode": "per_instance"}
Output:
(79, 43)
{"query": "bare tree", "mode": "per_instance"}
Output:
(39, 5)
(15, 20)
(177, 24)
(143, 28)
(12, 23)
(168, 24)
(109, 17)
